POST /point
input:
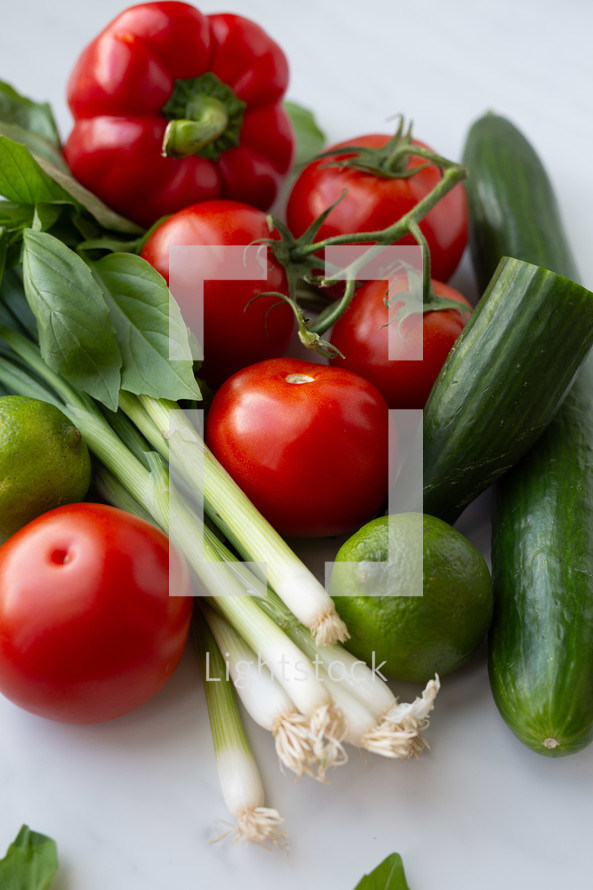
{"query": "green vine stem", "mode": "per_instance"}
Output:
(300, 256)
(453, 174)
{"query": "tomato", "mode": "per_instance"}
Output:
(371, 203)
(88, 630)
(236, 331)
(362, 334)
(306, 442)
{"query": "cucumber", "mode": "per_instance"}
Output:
(513, 209)
(541, 641)
(541, 638)
(503, 381)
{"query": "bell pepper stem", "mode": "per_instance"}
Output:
(183, 137)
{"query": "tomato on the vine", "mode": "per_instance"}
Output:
(88, 628)
(239, 326)
(371, 202)
(402, 358)
(308, 444)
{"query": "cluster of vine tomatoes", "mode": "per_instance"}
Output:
(309, 458)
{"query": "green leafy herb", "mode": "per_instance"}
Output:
(37, 117)
(31, 862)
(14, 309)
(76, 334)
(30, 179)
(35, 143)
(15, 216)
(310, 139)
(32, 166)
(81, 197)
(389, 875)
(30, 123)
(152, 337)
(22, 179)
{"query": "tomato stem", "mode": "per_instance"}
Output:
(388, 161)
(331, 313)
(453, 174)
(416, 231)
(300, 256)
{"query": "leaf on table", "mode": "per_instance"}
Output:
(77, 337)
(389, 875)
(31, 862)
(310, 140)
(152, 337)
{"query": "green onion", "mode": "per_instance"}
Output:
(263, 697)
(361, 693)
(238, 773)
(295, 673)
(170, 431)
(255, 612)
(373, 717)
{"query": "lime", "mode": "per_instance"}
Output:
(375, 577)
(43, 461)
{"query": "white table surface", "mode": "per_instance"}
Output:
(134, 804)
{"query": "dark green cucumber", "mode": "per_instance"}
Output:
(541, 640)
(513, 208)
(503, 381)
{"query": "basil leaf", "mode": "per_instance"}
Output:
(28, 178)
(81, 196)
(310, 140)
(31, 862)
(389, 875)
(3, 250)
(34, 116)
(16, 312)
(76, 335)
(10, 241)
(149, 329)
(46, 215)
(30, 123)
(22, 179)
(15, 216)
(36, 144)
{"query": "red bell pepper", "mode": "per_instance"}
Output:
(173, 107)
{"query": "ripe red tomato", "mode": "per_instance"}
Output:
(307, 443)
(88, 630)
(236, 332)
(372, 202)
(362, 334)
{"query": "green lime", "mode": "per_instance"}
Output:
(414, 593)
(43, 461)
